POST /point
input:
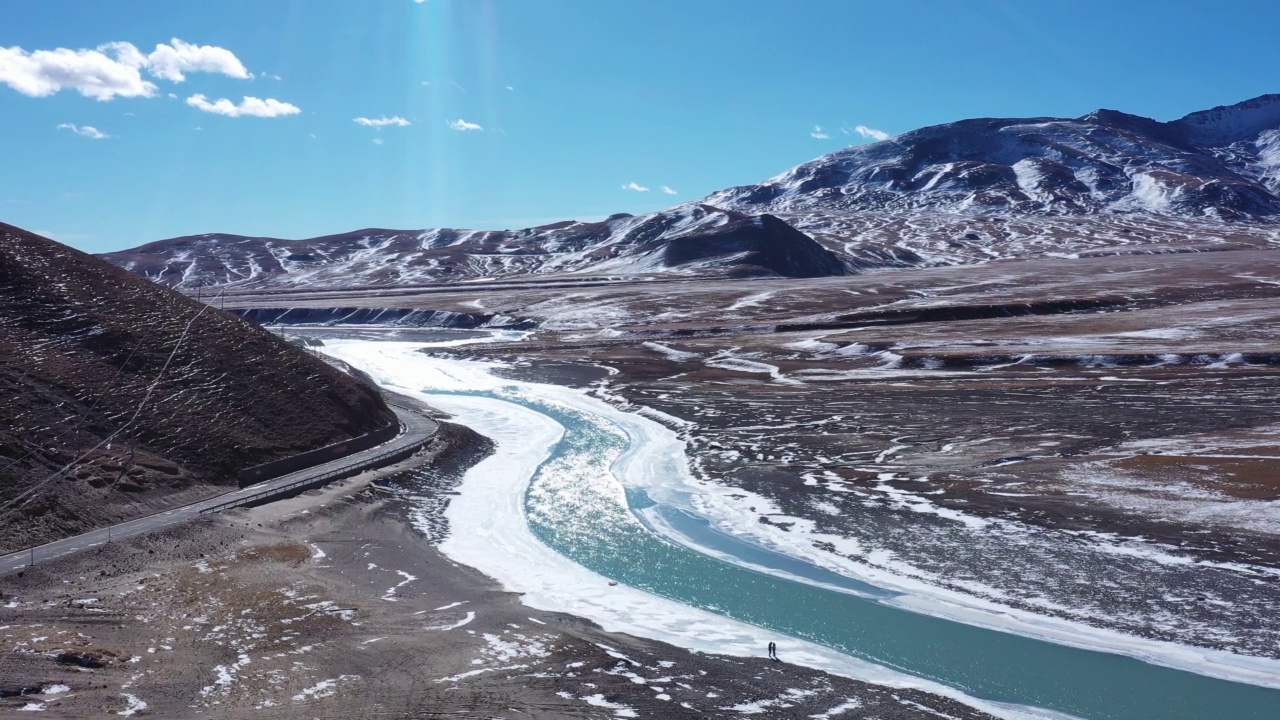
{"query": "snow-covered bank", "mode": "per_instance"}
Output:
(490, 532)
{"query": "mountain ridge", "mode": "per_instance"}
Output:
(729, 243)
(1107, 181)
(1108, 161)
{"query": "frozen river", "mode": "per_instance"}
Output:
(579, 495)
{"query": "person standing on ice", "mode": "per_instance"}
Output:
(773, 650)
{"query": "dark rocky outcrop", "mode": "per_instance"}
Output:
(762, 245)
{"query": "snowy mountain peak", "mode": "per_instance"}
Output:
(1229, 124)
(1219, 163)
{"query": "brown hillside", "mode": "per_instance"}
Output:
(179, 396)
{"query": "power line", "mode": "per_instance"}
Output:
(85, 415)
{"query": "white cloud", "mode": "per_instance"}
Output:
(461, 124)
(250, 106)
(378, 141)
(100, 74)
(112, 69)
(382, 121)
(872, 133)
(88, 131)
(819, 133)
(635, 186)
(169, 61)
(668, 190)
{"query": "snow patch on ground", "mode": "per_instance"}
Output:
(671, 353)
(134, 706)
(390, 594)
(619, 710)
(323, 689)
(1173, 500)
(842, 708)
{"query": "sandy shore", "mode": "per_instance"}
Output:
(330, 605)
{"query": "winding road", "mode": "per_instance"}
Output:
(417, 429)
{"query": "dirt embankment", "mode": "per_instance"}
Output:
(329, 605)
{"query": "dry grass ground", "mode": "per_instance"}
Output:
(327, 605)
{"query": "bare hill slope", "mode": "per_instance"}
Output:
(119, 397)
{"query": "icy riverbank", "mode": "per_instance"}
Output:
(490, 531)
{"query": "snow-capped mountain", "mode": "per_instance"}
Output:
(964, 192)
(1221, 163)
(688, 240)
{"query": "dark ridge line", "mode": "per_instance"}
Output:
(1095, 360)
(913, 316)
(952, 313)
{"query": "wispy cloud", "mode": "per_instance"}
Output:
(868, 132)
(819, 133)
(113, 69)
(668, 190)
(248, 107)
(378, 141)
(635, 186)
(88, 131)
(382, 121)
(463, 125)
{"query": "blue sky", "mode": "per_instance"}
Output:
(510, 113)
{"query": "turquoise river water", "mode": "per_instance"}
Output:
(573, 505)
